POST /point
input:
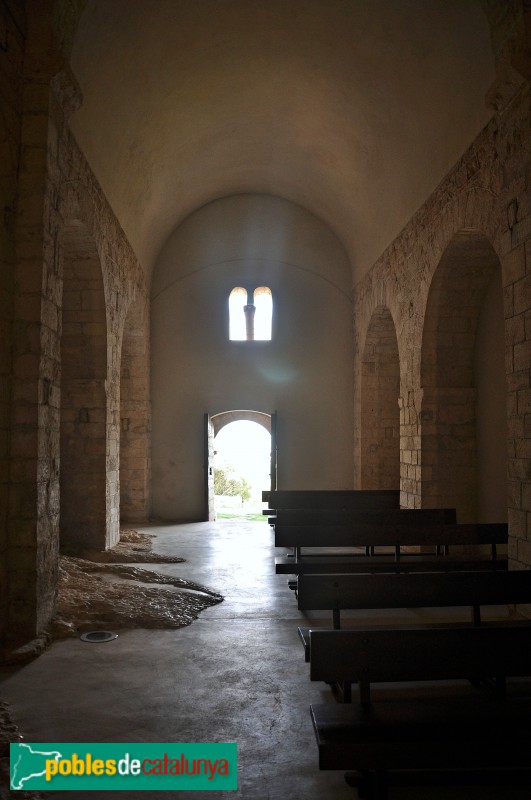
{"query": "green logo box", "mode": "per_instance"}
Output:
(99, 766)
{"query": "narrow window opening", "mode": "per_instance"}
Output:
(250, 319)
(263, 318)
(237, 303)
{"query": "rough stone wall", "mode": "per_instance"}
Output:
(450, 439)
(83, 397)
(485, 193)
(380, 422)
(12, 36)
(515, 149)
(81, 201)
(56, 192)
(135, 415)
(511, 33)
(31, 549)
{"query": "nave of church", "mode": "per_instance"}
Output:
(313, 215)
(310, 215)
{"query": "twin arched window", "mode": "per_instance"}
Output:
(250, 316)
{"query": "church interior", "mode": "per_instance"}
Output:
(356, 173)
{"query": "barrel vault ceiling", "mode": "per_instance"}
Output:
(354, 109)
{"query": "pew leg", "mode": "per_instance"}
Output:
(363, 782)
(381, 786)
(370, 785)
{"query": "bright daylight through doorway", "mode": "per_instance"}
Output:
(241, 470)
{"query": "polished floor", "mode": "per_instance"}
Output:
(236, 674)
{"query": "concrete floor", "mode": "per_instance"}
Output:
(237, 674)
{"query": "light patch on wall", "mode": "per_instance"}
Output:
(279, 374)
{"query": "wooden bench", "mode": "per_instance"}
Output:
(405, 535)
(449, 733)
(330, 499)
(430, 590)
(339, 506)
(339, 528)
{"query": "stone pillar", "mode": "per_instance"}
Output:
(409, 404)
(34, 453)
(135, 413)
(509, 96)
(380, 424)
(11, 66)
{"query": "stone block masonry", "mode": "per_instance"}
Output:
(432, 280)
(69, 280)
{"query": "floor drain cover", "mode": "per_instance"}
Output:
(98, 636)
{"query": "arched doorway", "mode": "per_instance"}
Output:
(250, 438)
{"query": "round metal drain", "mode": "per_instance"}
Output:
(98, 636)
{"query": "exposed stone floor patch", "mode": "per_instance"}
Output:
(132, 547)
(95, 591)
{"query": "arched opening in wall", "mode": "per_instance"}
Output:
(380, 414)
(135, 416)
(241, 463)
(464, 411)
(83, 478)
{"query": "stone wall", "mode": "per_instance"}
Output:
(303, 373)
(135, 414)
(12, 35)
(63, 222)
(380, 421)
(109, 281)
(433, 279)
(83, 413)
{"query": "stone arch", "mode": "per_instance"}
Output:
(380, 415)
(464, 302)
(135, 414)
(122, 280)
(226, 417)
(83, 429)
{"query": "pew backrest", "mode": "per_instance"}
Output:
(413, 590)
(393, 535)
(326, 517)
(338, 593)
(419, 654)
(352, 499)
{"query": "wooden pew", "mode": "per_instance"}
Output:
(339, 506)
(337, 593)
(346, 499)
(451, 733)
(413, 530)
(326, 528)
(330, 499)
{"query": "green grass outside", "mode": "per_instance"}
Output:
(246, 517)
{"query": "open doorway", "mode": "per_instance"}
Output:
(240, 463)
